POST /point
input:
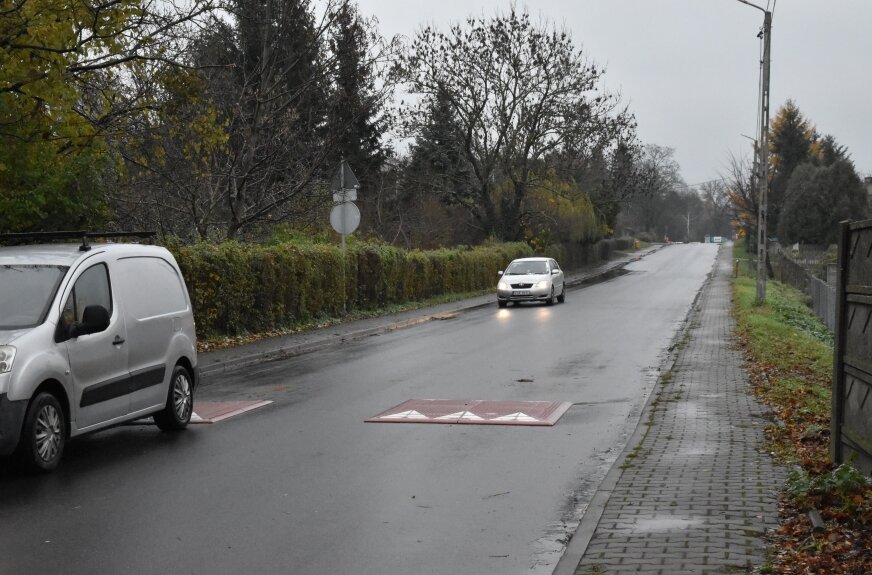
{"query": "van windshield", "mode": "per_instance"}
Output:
(26, 292)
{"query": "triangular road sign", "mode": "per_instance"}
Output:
(344, 178)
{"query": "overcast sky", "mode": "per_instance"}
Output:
(689, 69)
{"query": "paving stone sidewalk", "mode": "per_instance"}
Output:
(697, 492)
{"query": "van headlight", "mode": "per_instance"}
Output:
(7, 354)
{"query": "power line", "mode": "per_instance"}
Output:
(705, 182)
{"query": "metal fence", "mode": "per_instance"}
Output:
(823, 301)
(851, 438)
(794, 271)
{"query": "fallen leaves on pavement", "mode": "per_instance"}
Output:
(801, 434)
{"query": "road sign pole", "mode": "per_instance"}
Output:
(344, 288)
(344, 217)
(344, 222)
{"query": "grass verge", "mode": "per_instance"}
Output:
(789, 359)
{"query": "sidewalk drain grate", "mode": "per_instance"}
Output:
(215, 411)
(477, 412)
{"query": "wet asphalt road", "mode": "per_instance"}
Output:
(305, 486)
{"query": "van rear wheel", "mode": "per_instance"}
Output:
(180, 402)
(44, 434)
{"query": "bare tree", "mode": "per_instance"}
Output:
(742, 191)
(518, 92)
(658, 178)
(253, 144)
(717, 208)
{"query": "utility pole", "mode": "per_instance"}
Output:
(763, 215)
(762, 208)
(687, 239)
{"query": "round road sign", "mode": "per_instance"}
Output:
(345, 218)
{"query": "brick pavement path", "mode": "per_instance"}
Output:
(697, 493)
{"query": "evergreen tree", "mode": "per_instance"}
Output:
(266, 78)
(818, 198)
(828, 151)
(791, 142)
(438, 163)
(432, 185)
(356, 105)
(621, 185)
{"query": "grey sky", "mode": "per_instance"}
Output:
(689, 69)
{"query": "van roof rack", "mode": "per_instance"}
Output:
(46, 237)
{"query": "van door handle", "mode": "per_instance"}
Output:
(118, 340)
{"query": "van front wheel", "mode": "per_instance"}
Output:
(180, 402)
(44, 434)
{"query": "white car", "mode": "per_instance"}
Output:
(531, 280)
(90, 336)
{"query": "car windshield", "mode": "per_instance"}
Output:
(26, 292)
(526, 268)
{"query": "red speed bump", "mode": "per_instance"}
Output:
(479, 412)
(215, 411)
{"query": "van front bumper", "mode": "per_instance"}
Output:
(11, 417)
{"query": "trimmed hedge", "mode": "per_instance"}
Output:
(241, 288)
(247, 288)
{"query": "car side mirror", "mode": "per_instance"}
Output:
(94, 319)
(555, 272)
(499, 273)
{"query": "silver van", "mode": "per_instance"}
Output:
(91, 335)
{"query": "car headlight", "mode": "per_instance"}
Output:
(543, 284)
(502, 285)
(7, 354)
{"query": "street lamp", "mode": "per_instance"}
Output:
(763, 156)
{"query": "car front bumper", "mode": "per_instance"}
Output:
(529, 294)
(11, 418)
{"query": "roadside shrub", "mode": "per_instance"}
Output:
(836, 486)
(245, 288)
(241, 288)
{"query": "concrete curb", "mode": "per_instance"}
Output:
(295, 348)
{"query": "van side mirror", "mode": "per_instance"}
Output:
(94, 319)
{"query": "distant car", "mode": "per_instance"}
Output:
(531, 280)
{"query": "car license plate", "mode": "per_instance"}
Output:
(521, 292)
